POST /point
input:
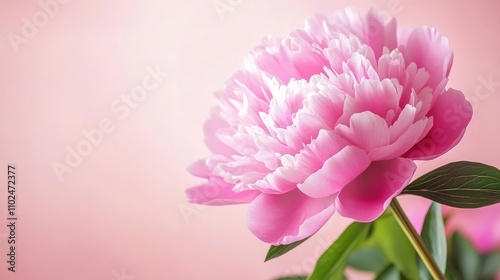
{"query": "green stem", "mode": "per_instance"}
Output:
(416, 241)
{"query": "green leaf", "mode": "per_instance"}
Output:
(460, 184)
(392, 241)
(367, 259)
(451, 272)
(389, 273)
(491, 265)
(434, 238)
(293, 278)
(280, 250)
(465, 258)
(331, 264)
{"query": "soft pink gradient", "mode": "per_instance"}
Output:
(119, 209)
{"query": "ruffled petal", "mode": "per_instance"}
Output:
(367, 197)
(451, 115)
(402, 144)
(336, 173)
(311, 158)
(211, 128)
(205, 168)
(290, 217)
(429, 50)
(378, 97)
(274, 184)
(378, 34)
(218, 192)
(367, 131)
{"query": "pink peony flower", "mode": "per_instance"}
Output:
(481, 225)
(329, 119)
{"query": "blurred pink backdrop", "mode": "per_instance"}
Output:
(121, 213)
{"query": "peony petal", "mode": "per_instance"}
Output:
(290, 217)
(297, 168)
(367, 197)
(309, 125)
(245, 94)
(274, 184)
(218, 192)
(241, 169)
(360, 68)
(391, 65)
(402, 144)
(204, 168)
(379, 35)
(287, 100)
(328, 106)
(348, 21)
(375, 96)
(275, 61)
(308, 63)
(288, 60)
(405, 119)
(199, 168)
(367, 131)
(336, 173)
(390, 35)
(429, 50)
(210, 128)
(451, 115)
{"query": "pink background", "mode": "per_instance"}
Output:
(118, 213)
